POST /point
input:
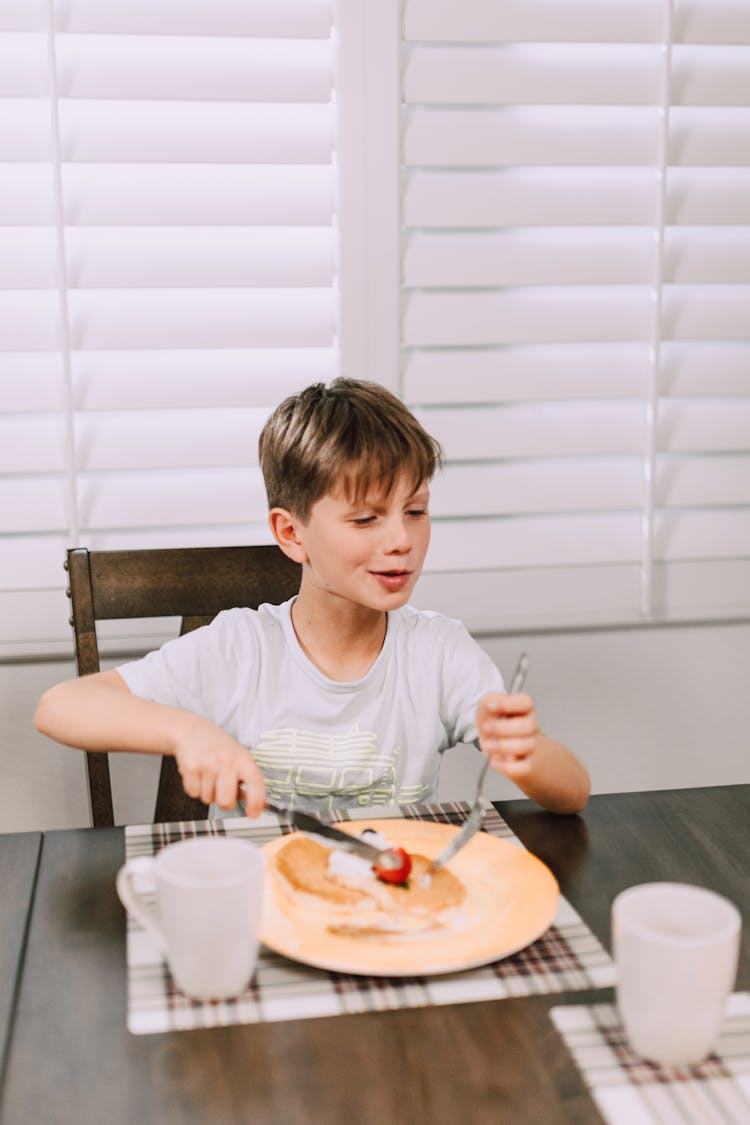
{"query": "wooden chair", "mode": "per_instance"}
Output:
(194, 583)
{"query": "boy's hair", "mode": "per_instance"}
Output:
(349, 436)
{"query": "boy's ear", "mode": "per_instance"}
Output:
(284, 529)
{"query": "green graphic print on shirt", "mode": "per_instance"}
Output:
(330, 770)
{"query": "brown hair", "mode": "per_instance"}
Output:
(350, 435)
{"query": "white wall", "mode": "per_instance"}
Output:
(645, 709)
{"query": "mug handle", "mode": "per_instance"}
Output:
(133, 902)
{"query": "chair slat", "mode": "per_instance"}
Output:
(180, 582)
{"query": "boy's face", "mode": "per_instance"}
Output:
(370, 552)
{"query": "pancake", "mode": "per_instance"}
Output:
(361, 903)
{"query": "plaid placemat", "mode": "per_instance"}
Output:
(628, 1090)
(567, 957)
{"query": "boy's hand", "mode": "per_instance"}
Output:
(508, 732)
(212, 765)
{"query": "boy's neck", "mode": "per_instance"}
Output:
(343, 640)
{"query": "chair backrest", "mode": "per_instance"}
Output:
(193, 583)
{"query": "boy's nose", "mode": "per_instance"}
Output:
(398, 538)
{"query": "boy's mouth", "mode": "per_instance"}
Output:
(392, 579)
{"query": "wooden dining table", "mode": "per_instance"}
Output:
(19, 859)
(70, 1058)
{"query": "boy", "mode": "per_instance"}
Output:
(344, 695)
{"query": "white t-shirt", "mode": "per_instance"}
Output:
(322, 744)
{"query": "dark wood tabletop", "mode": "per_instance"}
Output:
(19, 856)
(71, 1058)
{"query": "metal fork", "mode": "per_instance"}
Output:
(474, 818)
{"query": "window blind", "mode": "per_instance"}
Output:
(575, 227)
(167, 274)
(530, 218)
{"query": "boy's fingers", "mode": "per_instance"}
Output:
(511, 748)
(226, 791)
(252, 794)
(191, 783)
(518, 704)
(520, 726)
(498, 704)
(208, 788)
(513, 767)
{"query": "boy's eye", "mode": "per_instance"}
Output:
(362, 521)
(417, 512)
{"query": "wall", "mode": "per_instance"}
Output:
(644, 708)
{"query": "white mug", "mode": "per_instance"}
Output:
(676, 948)
(207, 914)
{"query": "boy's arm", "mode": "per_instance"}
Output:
(99, 712)
(544, 770)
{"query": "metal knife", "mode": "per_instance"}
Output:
(306, 822)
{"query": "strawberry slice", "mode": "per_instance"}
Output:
(398, 867)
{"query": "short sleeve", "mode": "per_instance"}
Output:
(198, 671)
(468, 674)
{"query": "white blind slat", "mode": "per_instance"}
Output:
(704, 75)
(33, 561)
(533, 74)
(201, 318)
(32, 443)
(578, 484)
(168, 438)
(718, 367)
(538, 197)
(539, 136)
(26, 194)
(24, 130)
(186, 67)
(714, 534)
(706, 135)
(527, 256)
(584, 540)
(706, 312)
(195, 132)
(23, 65)
(537, 430)
(27, 258)
(31, 504)
(545, 598)
(201, 194)
(500, 600)
(534, 20)
(184, 498)
(169, 257)
(695, 254)
(209, 535)
(533, 372)
(263, 18)
(170, 378)
(30, 381)
(29, 320)
(703, 481)
(24, 16)
(715, 588)
(708, 195)
(696, 425)
(523, 315)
